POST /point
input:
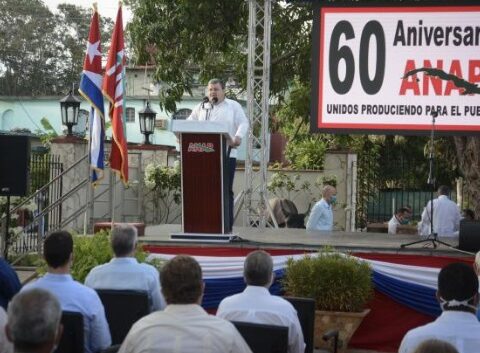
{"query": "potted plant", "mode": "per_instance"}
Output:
(341, 286)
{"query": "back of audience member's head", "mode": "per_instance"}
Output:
(181, 280)
(124, 240)
(458, 288)
(435, 346)
(58, 248)
(443, 190)
(258, 269)
(34, 321)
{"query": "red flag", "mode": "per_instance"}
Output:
(113, 84)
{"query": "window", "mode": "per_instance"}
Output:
(182, 114)
(130, 115)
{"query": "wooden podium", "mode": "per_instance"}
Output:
(205, 202)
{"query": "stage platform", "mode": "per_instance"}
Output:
(288, 238)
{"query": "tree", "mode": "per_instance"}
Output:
(42, 53)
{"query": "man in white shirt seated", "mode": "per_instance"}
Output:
(446, 215)
(458, 297)
(256, 304)
(72, 295)
(124, 271)
(401, 216)
(183, 326)
(34, 322)
(321, 216)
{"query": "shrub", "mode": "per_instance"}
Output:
(337, 282)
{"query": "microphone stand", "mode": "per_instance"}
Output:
(433, 236)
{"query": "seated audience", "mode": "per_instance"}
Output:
(435, 346)
(34, 322)
(446, 215)
(5, 345)
(124, 271)
(458, 297)
(401, 216)
(282, 209)
(183, 326)
(256, 304)
(72, 295)
(9, 283)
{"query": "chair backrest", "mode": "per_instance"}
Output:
(469, 236)
(263, 338)
(72, 340)
(123, 308)
(306, 315)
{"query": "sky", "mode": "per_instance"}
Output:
(106, 8)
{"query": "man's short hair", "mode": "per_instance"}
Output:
(457, 281)
(124, 239)
(327, 189)
(181, 280)
(57, 248)
(435, 346)
(33, 319)
(402, 210)
(258, 268)
(443, 190)
(215, 81)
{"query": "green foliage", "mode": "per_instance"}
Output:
(165, 182)
(42, 53)
(91, 251)
(336, 282)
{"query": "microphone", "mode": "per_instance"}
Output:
(206, 103)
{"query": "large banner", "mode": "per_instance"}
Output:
(386, 69)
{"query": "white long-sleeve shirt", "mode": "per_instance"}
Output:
(183, 328)
(461, 329)
(256, 304)
(446, 217)
(229, 112)
(128, 273)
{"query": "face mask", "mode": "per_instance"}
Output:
(447, 304)
(404, 221)
(333, 199)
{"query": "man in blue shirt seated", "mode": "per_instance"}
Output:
(124, 271)
(321, 217)
(72, 295)
(34, 321)
(9, 283)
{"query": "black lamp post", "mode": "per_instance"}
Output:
(147, 122)
(70, 106)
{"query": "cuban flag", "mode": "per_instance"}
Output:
(113, 89)
(91, 90)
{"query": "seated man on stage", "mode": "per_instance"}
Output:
(321, 217)
(401, 216)
(124, 271)
(446, 215)
(183, 326)
(256, 304)
(458, 297)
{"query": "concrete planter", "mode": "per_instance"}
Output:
(346, 323)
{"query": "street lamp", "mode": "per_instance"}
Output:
(69, 106)
(146, 118)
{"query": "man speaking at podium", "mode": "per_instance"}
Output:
(215, 107)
